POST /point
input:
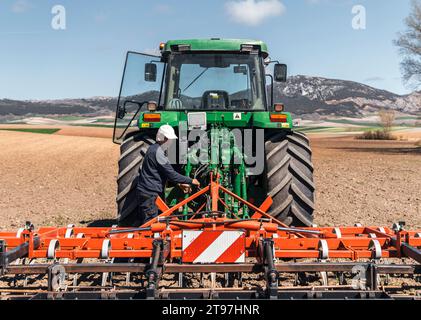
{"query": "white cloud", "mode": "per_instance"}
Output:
(20, 6)
(254, 12)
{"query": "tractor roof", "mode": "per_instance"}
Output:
(215, 44)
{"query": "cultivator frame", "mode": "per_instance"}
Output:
(264, 244)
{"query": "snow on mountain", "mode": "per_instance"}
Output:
(304, 94)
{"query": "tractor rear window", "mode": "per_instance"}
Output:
(215, 81)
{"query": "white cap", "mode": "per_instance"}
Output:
(165, 131)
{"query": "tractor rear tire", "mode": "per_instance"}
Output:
(289, 177)
(132, 152)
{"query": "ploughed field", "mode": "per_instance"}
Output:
(69, 176)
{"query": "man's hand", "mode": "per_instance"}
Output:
(185, 187)
(196, 182)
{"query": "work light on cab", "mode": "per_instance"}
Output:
(278, 107)
(152, 106)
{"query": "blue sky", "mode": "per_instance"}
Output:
(314, 37)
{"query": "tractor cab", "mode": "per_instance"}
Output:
(195, 75)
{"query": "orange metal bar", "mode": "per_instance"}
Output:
(263, 207)
(161, 204)
(215, 195)
(250, 205)
(177, 206)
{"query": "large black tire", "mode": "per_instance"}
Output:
(289, 177)
(132, 151)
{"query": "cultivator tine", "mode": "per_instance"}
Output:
(324, 278)
(80, 235)
(128, 274)
(76, 275)
(107, 277)
(240, 279)
(25, 281)
(341, 278)
(104, 279)
(213, 280)
(324, 255)
(181, 282)
(226, 279)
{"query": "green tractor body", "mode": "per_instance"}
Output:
(214, 93)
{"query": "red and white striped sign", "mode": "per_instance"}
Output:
(213, 246)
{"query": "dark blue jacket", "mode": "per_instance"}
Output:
(156, 170)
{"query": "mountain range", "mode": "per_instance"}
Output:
(302, 95)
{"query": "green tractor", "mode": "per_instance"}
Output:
(214, 93)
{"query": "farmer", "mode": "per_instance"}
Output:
(155, 172)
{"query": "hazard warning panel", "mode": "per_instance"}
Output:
(213, 246)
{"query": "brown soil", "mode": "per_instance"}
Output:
(56, 180)
(371, 182)
(410, 135)
(96, 132)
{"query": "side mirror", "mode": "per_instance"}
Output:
(280, 72)
(150, 72)
(121, 112)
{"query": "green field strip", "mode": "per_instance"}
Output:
(30, 130)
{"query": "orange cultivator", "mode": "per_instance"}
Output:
(209, 242)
